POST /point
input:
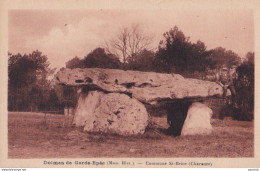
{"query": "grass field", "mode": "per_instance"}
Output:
(32, 136)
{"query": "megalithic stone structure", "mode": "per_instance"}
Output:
(99, 112)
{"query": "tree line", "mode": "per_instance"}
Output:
(30, 90)
(129, 50)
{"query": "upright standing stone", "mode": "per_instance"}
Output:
(111, 113)
(198, 120)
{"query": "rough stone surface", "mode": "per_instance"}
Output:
(198, 120)
(110, 113)
(147, 87)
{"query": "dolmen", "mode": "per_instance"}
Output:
(113, 101)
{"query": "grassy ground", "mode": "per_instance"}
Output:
(29, 136)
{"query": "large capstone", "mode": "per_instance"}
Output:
(198, 120)
(110, 113)
(147, 87)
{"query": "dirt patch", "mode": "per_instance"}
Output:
(32, 136)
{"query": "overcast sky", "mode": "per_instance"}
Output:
(64, 34)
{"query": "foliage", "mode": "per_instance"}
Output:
(177, 53)
(28, 86)
(142, 61)
(224, 58)
(53, 100)
(75, 63)
(242, 104)
(27, 80)
(98, 58)
(250, 58)
(244, 85)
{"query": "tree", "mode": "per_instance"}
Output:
(177, 53)
(53, 100)
(75, 63)
(224, 58)
(244, 85)
(250, 58)
(98, 58)
(142, 61)
(128, 42)
(242, 106)
(27, 83)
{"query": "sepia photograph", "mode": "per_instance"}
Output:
(116, 83)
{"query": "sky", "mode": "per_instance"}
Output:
(63, 34)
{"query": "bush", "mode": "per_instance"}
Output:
(236, 113)
(242, 106)
(244, 86)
